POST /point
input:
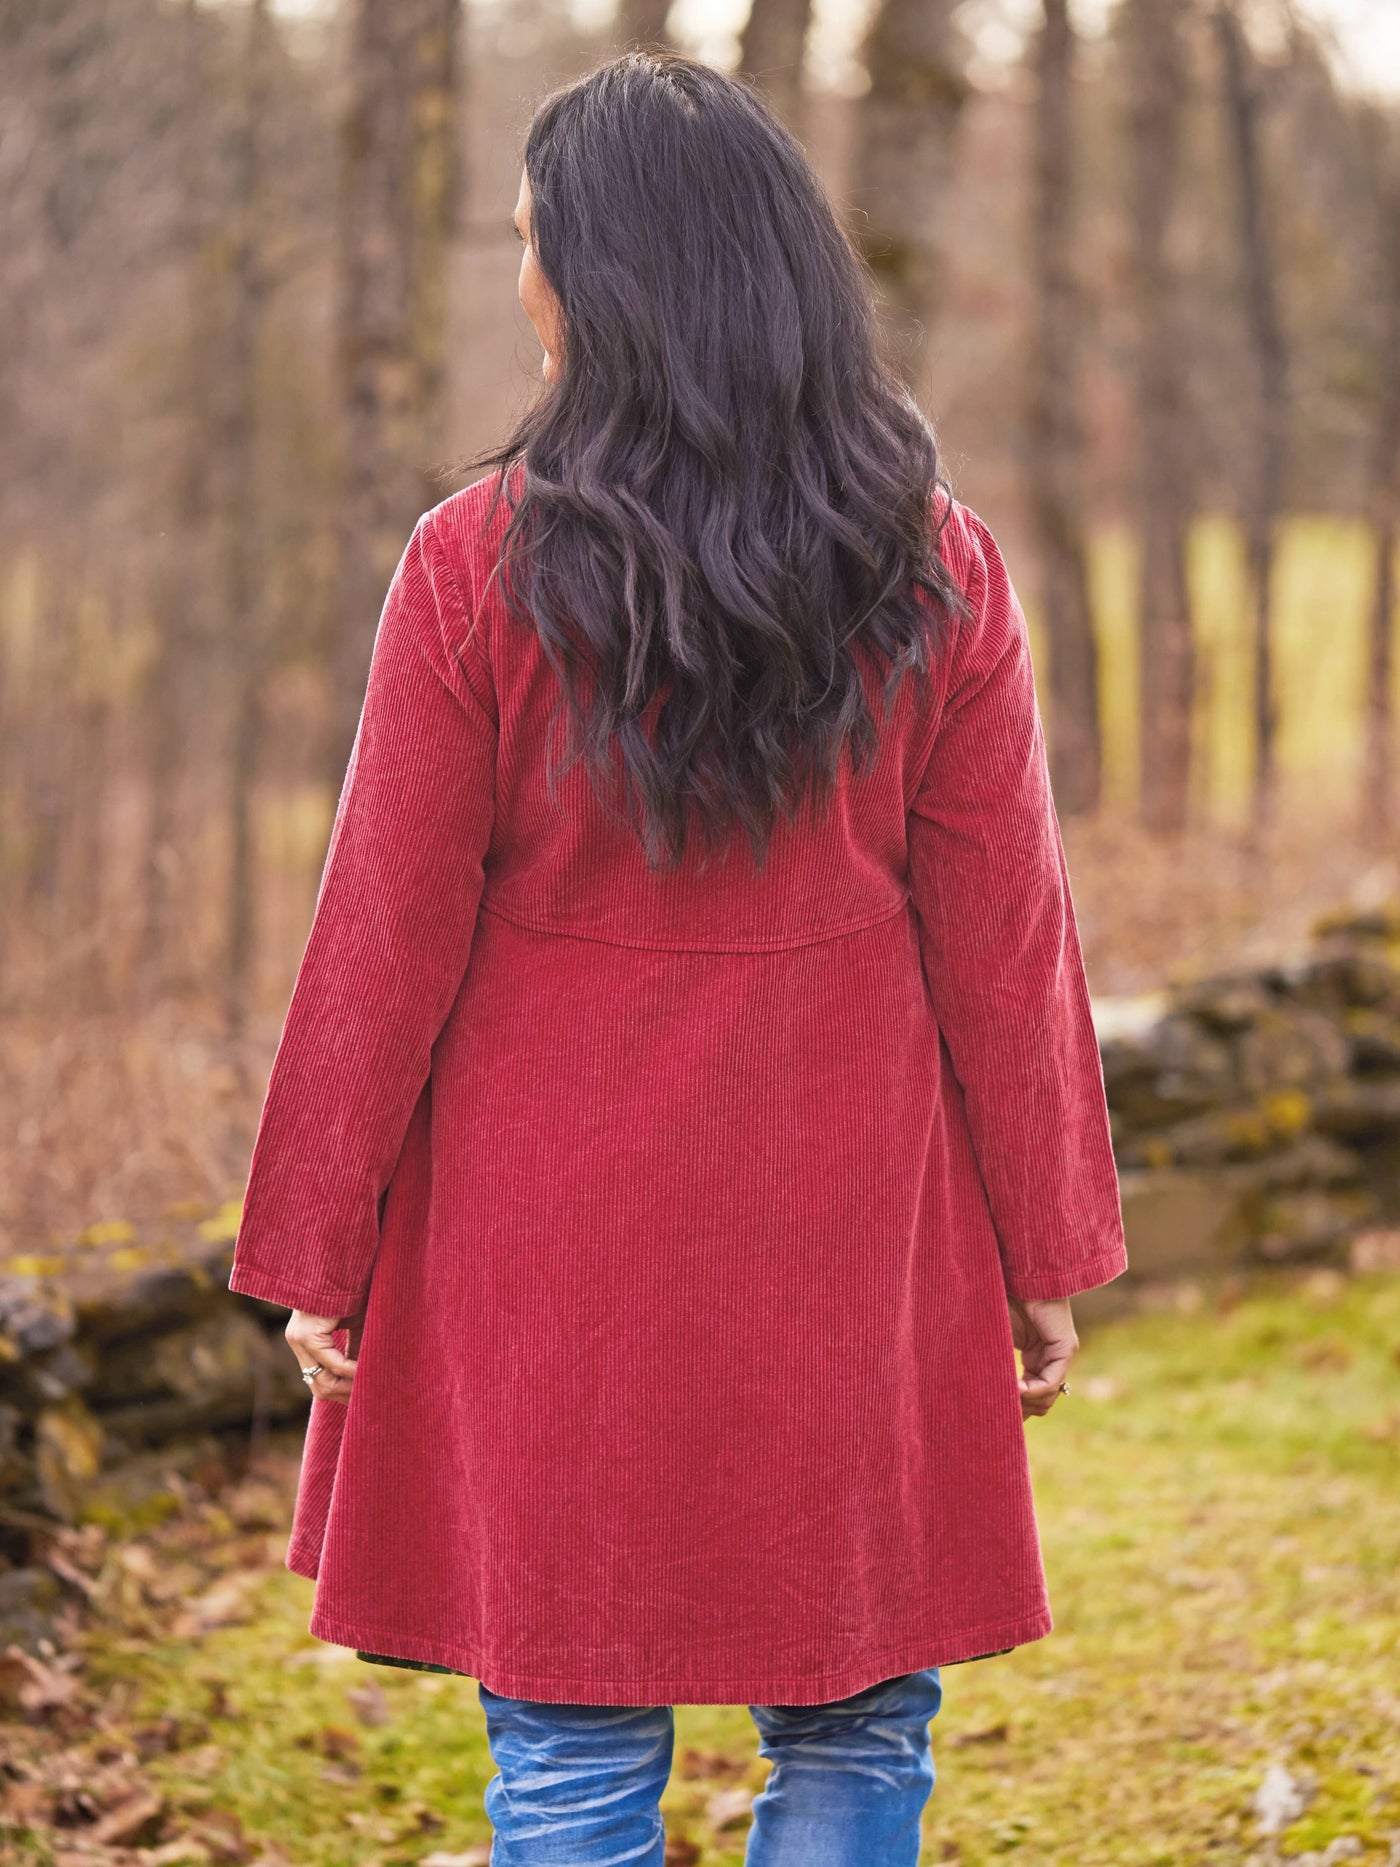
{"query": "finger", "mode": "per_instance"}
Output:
(332, 1359)
(324, 1388)
(318, 1345)
(1040, 1394)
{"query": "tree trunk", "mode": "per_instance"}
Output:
(1378, 810)
(243, 634)
(177, 584)
(771, 52)
(1265, 492)
(398, 193)
(1055, 430)
(904, 147)
(1157, 80)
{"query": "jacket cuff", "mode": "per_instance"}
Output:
(316, 1300)
(1054, 1283)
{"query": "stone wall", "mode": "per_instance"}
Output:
(1256, 1115)
(1256, 1119)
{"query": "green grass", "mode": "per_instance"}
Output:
(1220, 1503)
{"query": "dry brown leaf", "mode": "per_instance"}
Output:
(370, 1704)
(993, 1734)
(715, 1764)
(28, 1685)
(133, 1819)
(177, 1853)
(223, 1605)
(728, 1807)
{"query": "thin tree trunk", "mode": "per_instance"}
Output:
(1265, 492)
(904, 148)
(1055, 430)
(396, 189)
(437, 186)
(1157, 78)
(1378, 811)
(176, 583)
(244, 631)
(771, 51)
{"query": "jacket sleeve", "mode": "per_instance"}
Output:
(1002, 954)
(388, 947)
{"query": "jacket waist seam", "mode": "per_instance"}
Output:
(536, 924)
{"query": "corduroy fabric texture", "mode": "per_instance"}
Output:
(682, 1210)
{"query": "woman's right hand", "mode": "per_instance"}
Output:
(310, 1340)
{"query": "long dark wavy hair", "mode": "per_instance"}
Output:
(726, 492)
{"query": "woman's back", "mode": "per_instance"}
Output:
(681, 1208)
(567, 866)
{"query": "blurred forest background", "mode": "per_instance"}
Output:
(258, 301)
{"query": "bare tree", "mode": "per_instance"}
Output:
(1379, 804)
(243, 629)
(1157, 78)
(771, 51)
(916, 58)
(1055, 451)
(1263, 497)
(396, 194)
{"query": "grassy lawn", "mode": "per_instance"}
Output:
(1220, 1500)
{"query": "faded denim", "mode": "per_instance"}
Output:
(579, 1785)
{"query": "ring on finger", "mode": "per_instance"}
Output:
(1064, 1387)
(309, 1374)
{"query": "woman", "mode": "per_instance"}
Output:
(683, 1122)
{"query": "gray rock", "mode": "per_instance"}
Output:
(1179, 1222)
(28, 1598)
(1291, 1047)
(33, 1317)
(1308, 1222)
(1359, 1106)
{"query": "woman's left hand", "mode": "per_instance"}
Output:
(1044, 1332)
(310, 1339)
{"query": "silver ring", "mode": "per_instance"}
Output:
(309, 1374)
(1064, 1387)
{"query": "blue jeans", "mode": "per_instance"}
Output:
(578, 1785)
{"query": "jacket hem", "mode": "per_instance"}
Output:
(914, 1654)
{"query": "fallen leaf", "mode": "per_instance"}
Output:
(134, 1818)
(1280, 1799)
(336, 1740)
(728, 1807)
(221, 1834)
(25, 1805)
(177, 1853)
(223, 1605)
(28, 1685)
(695, 1763)
(993, 1734)
(370, 1704)
(681, 1851)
